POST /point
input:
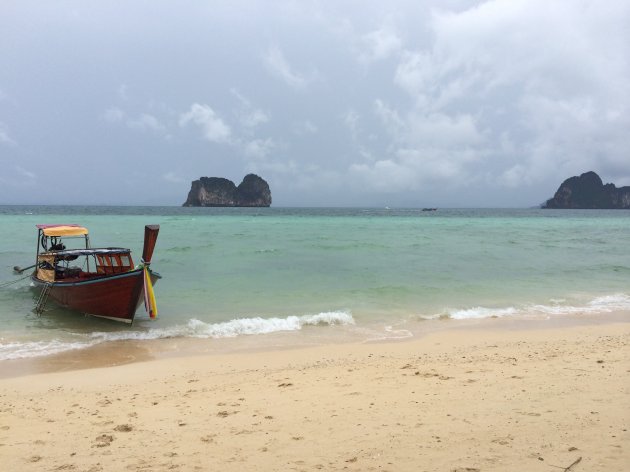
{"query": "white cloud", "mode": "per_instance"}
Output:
(512, 92)
(25, 173)
(258, 148)
(442, 131)
(389, 117)
(249, 115)
(5, 138)
(380, 44)
(144, 121)
(212, 126)
(254, 118)
(304, 128)
(351, 120)
(173, 178)
(278, 66)
(123, 92)
(384, 176)
(114, 115)
(510, 95)
(514, 176)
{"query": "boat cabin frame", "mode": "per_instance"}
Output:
(55, 263)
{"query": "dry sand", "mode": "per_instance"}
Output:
(472, 400)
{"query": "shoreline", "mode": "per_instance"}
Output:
(485, 399)
(121, 352)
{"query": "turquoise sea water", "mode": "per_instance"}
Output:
(251, 272)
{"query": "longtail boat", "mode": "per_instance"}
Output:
(101, 282)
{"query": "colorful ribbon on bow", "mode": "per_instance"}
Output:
(149, 296)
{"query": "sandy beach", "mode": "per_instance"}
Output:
(457, 400)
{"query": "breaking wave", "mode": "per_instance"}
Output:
(604, 304)
(21, 350)
(194, 328)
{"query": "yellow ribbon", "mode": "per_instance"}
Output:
(150, 295)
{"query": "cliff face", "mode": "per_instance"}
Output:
(588, 192)
(253, 191)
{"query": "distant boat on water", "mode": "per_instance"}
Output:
(429, 209)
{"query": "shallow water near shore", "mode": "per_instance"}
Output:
(359, 274)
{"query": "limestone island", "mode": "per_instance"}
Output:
(588, 192)
(253, 191)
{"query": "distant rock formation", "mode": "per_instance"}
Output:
(588, 192)
(253, 191)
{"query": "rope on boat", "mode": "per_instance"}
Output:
(6, 284)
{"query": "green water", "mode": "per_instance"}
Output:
(225, 268)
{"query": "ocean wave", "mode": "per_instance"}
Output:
(194, 328)
(267, 251)
(241, 326)
(481, 312)
(603, 304)
(22, 350)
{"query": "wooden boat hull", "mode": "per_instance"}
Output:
(115, 297)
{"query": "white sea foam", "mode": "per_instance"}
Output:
(481, 312)
(22, 350)
(229, 329)
(390, 333)
(557, 307)
(193, 328)
(605, 304)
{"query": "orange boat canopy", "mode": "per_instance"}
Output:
(63, 230)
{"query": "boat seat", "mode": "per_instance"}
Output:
(67, 272)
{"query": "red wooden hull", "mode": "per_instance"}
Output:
(113, 296)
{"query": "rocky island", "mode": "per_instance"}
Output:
(253, 191)
(589, 192)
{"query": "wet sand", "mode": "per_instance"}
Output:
(476, 399)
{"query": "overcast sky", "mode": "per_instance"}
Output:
(351, 103)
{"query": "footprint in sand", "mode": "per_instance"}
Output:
(104, 440)
(123, 428)
(504, 441)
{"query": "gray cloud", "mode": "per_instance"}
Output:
(510, 91)
(444, 102)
